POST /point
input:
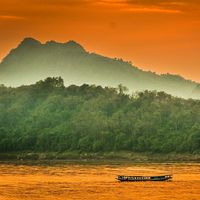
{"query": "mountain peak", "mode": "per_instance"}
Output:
(74, 45)
(71, 44)
(28, 41)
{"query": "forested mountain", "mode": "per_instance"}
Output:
(47, 116)
(32, 61)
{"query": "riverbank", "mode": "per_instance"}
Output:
(108, 156)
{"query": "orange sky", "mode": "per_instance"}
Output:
(156, 35)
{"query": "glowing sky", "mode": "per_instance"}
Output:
(156, 35)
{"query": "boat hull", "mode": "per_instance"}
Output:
(143, 178)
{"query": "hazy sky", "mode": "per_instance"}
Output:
(156, 35)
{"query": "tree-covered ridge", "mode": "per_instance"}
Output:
(48, 116)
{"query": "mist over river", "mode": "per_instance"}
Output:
(97, 181)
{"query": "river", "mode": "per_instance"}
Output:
(72, 181)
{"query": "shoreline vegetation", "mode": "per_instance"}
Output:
(108, 157)
(48, 121)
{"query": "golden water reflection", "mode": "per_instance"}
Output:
(97, 181)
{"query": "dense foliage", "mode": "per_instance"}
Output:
(47, 116)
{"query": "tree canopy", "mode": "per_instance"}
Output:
(47, 116)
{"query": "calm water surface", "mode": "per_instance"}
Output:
(90, 181)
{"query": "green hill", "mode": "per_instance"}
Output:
(48, 117)
(32, 61)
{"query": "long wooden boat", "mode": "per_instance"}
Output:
(144, 178)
